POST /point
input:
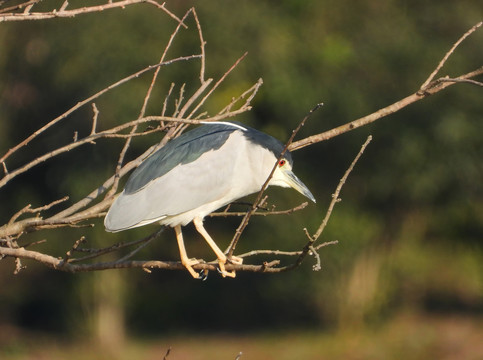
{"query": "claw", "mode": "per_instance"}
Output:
(203, 275)
(223, 272)
(188, 264)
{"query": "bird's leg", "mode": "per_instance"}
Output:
(219, 254)
(187, 262)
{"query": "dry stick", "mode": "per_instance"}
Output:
(249, 213)
(163, 56)
(469, 81)
(176, 131)
(285, 253)
(89, 99)
(428, 88)
(19, 6)
(93, 253)
(165, 102)
(76, 143)
(203, 86)
(59, 264)
(31, 224)
(140, 247)
(77, 243)
(202, 46)
(27, 209)
(252, 91)
(165, 357)
(224, 76)
(260, 213)
(335, 199)
(62, 13)
(94, 118)
(448, 54)
(433, 88)
(338, 189)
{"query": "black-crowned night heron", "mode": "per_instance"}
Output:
(197, 173)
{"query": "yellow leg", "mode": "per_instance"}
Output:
(187, 262)
(219, 254)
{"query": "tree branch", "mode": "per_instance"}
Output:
(63, 13)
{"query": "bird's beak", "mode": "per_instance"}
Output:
(293, 181)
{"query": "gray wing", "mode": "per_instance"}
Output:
(184, 149)
(185, 187)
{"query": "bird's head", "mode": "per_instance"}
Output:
(284, 177)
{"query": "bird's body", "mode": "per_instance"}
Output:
(197, 173)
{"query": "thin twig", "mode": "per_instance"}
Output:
(432, 88)
(94, 118)
(283, 253)
(335, 199)
(468, 81)
(448, 54)
(93, 253)
(223, 77)
(26, 141)
(28, 209)
(165, 357)
(202, 46)
(226, 213)
(63, 13)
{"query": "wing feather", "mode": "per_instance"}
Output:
(185, 187)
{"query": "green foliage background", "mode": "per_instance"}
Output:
(410, 225)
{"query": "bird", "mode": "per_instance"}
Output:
(197, 173)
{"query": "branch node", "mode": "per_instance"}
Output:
(317, 266)
(94, 118)
(18, 266)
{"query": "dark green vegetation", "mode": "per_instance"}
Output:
(410, 226)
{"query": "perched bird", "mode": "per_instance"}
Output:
(197, 173)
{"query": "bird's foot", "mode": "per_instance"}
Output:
(223, 272)
(235, 260)
(188, 264)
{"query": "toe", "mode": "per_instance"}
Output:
(236, 260)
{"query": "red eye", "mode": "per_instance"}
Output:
(281, 163)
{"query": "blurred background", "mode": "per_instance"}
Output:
(405, 279)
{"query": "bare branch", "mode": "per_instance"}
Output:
(432, 88)
(429, 87)
(94, 118)
(202, 46)
(28, 209)
(335, 199)
(448, 54)
(23, 143)
(63, 13)
(27, 5)
(226, 213)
